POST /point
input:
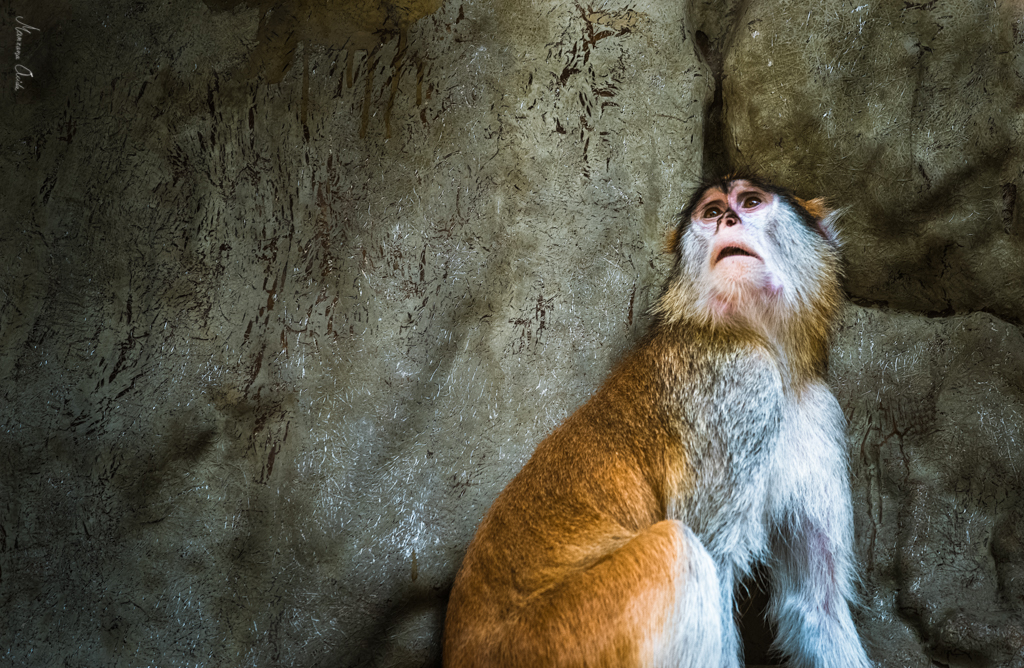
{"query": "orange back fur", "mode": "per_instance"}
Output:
(574, 557)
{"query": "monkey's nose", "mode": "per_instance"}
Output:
(730, 218)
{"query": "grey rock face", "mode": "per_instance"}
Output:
(271, 348)
(936, 410)
(908, 113)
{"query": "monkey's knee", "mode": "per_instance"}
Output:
(695, 629)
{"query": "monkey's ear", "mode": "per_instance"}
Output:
(672, 240)
(825, 217)
(816, 207)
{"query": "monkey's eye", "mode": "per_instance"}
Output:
(712, 212)
(750, 201)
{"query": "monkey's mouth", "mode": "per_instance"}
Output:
(730, 251)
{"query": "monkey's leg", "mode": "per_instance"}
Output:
(811, 538)
(732, 648)
(654, 601)
(811, 580)
(699, 630)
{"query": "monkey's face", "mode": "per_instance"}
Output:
(749, 251)
(726, 244)
(731, 224)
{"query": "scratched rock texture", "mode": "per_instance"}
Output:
(290, 290)
(910, 113)
(936, 411)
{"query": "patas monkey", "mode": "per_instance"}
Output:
(712, 446)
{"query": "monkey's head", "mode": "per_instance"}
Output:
(750, 253)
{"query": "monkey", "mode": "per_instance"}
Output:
(713, 446)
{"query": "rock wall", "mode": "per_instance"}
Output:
(290, 289)
(936, 411)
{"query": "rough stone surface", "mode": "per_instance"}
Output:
(279, 324)
(909, 113)
(289, 289)
(936, 411)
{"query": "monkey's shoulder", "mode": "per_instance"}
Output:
(720, 387)
(814, 420)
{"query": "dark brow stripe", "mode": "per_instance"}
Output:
(723, 183)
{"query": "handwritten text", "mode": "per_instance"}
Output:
(20, 70)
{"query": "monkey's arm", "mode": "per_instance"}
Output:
(811, 539)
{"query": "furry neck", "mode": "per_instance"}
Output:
(800, 333)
